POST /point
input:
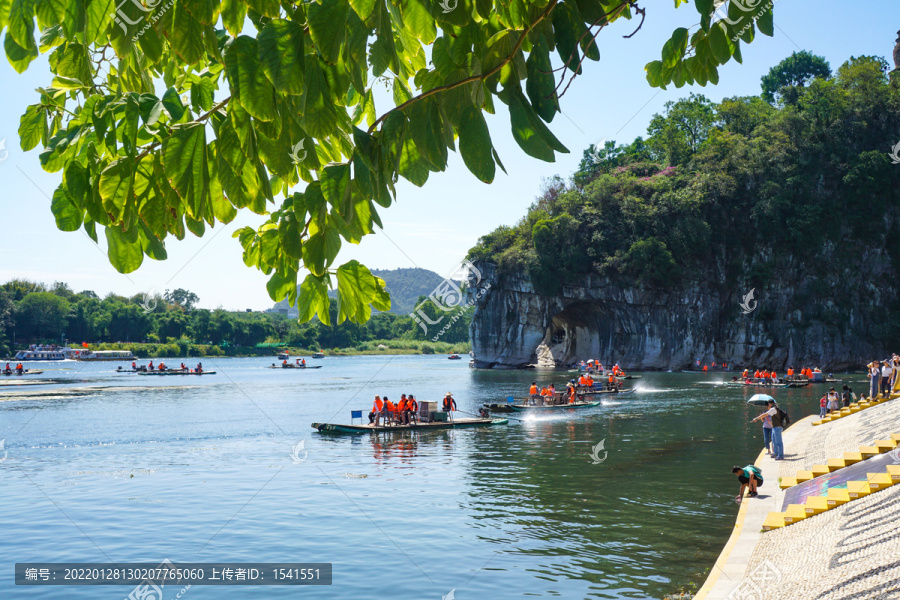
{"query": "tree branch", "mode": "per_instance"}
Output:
(482, 77)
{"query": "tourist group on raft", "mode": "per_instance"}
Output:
(406, 411)
(19, 369)
(162, 367)
(763, 376)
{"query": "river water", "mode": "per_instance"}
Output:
(104, 467)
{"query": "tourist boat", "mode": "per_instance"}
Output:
(176, 372)
(24, 372)
(454, 357)
(781, 384)
(104, 355)
(47, 352)
(295, 365)
(579, 404)
(319, 355)
(284, 356)
(371, 428)
(598, 391)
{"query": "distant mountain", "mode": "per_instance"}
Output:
(404, 285)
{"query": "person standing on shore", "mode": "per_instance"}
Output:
(886, 372)
(874, 378)
(778, 423)
(823, 407)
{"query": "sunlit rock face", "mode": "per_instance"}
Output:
(514, 326)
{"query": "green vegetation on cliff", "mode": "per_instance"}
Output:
(730, 192)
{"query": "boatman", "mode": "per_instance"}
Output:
(611, 383)
(413, 406)
(450, 405)
(199, 367)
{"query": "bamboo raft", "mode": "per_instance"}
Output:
(371, 428)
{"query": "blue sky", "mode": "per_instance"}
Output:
(430, 227)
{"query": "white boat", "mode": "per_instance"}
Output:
(54, 352)
(48, 352)
(104, 355)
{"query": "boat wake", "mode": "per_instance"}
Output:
(647, 390)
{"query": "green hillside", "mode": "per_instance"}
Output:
(404, 285)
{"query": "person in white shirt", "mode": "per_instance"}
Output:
(777, 430)
(886, 371)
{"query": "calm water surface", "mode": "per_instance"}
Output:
(105, 467)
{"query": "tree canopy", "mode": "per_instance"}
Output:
(784, 79)
(168, 118)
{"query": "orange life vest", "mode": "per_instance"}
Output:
(533, 391)
(390, 405)
(448, 404)
(378, 405)
(705, 368)
(402, 405)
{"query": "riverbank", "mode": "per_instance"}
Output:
(842, 553)
(186, 348)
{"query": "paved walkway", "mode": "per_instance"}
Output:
(848, 553)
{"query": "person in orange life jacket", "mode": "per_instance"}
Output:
(302, 362)
(413, 408)
(284, 363)
(450, 405)
(375, 415)
(611, 382)
(572, 394)
(199, 368)
(705, 368)
(133, 365)
(589, 381)
(401, 410)
(19, 368)
(388, 411)
(150, 366)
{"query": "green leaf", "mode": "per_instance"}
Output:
(363, 8)
(98, 15)
(68, 216)
(116, 183)
(328, 27)
(21, 24)
(529, 131)
(475, 144)
(281, 51)
(356, 290)
(124, 254)
(18, 56)
(428, 133)
(151, 245)
(172, 103)
(32, 125)
(766, 23)
(541, 85)
(675, 47)
(247, 79)
(719, 43)
(185, 163)
(320, 117)
(313, 300)
(233, 14)
(186, 36)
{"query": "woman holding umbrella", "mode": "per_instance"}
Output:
(763, 400)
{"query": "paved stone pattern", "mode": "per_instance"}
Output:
(815, 445)
(848, 553)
